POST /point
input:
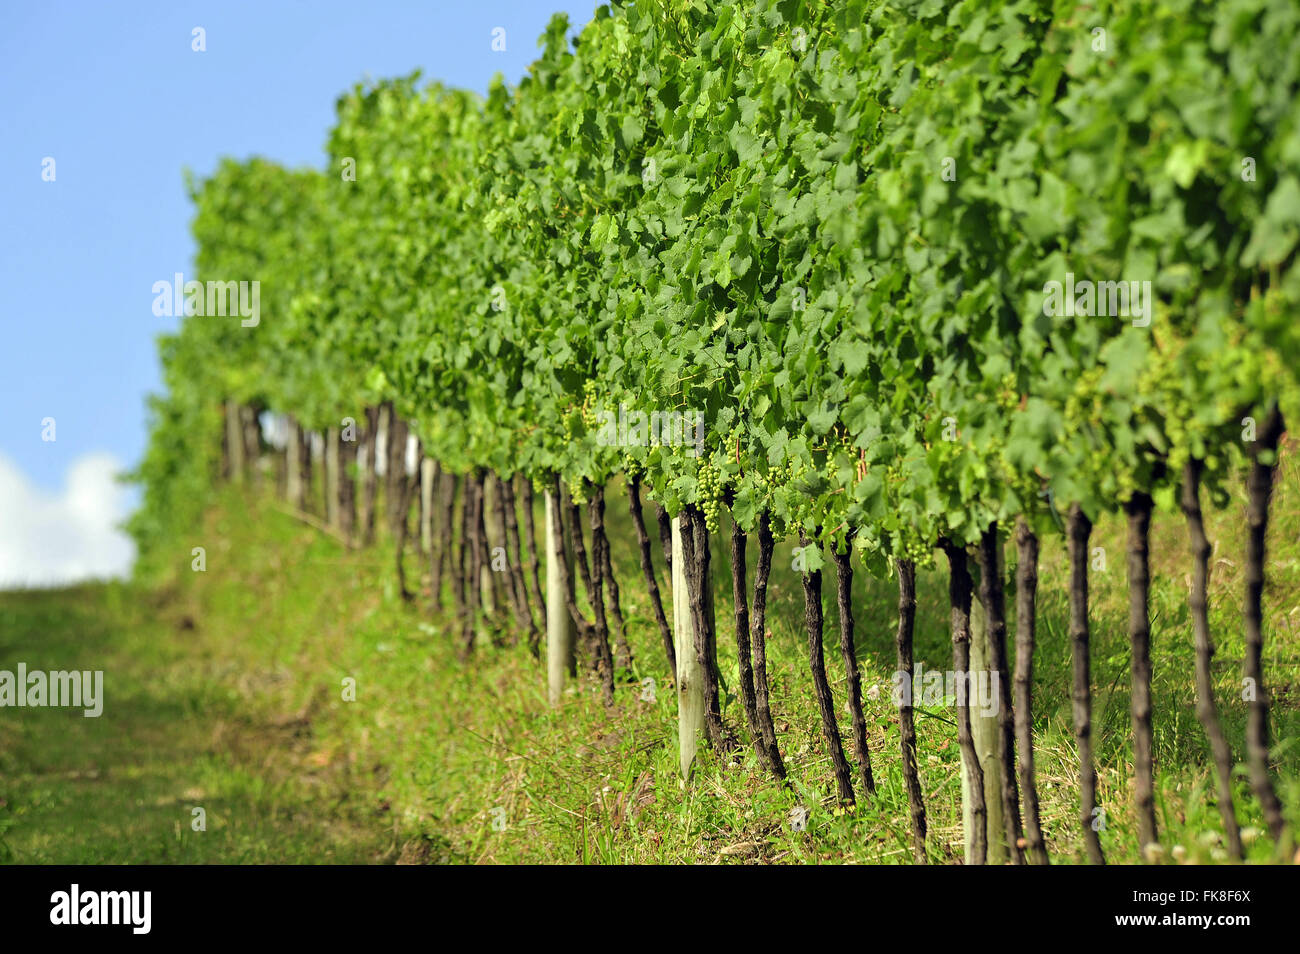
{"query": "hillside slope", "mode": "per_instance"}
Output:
(224, 691)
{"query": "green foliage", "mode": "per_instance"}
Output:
(829, 228)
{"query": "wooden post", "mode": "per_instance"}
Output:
(486, 592)
(293, 464)
(383, 456)
(494, 533)
(987, 736)
(347, 483)
(252, 432)
(368, 480)
(235, 441)
(395, 479)
(559, 624)
(304, 466)
(332, 477)
(691, 701)
(426, 505)
(320, 461)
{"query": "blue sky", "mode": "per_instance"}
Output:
(115, 95)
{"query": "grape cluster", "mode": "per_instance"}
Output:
(777, 477)
(921, 554)
(1084, 405)
(709, 484)
(1085, 411)
(831, 469)
(1008, 394)
(588, 410)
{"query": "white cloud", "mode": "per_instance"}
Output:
(54, 538)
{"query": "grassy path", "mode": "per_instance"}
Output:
(183, 726)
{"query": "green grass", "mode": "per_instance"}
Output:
(224, 691)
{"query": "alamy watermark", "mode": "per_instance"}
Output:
(56, 689)
(1104, 299)
(75, 906)
(656, 429)
(975, 688)
(179, 297)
